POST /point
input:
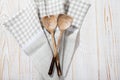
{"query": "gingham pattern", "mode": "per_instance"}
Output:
(25, 25)
(54, 7)
(41, 8)
(50, 7)
(78, 10)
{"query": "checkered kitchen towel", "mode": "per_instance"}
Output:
(78, 10)
(50, 7)
(25, 26)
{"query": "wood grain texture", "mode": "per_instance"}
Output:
(97, 57)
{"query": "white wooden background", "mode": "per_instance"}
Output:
(97, 58)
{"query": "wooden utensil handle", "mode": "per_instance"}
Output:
(59, 72)
(56, 56)
(59, 39)
(51, 66)
(57, 62)
(57, 59)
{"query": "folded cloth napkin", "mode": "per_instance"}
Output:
(76, 9)
(50, 7)
(25, 26)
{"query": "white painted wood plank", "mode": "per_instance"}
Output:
(97, 57)
(14, 64)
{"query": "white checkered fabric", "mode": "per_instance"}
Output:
(78, 10)
(25, 25)
(54, 7)
(41, 8)
(50, 7)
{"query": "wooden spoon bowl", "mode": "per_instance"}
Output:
(64, 21)
(50, 23)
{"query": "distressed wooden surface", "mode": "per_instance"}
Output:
(97, 58)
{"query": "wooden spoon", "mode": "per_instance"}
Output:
(50, 23)
(64, 22)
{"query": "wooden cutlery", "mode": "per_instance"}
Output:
(50, 23)
(64, 22)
